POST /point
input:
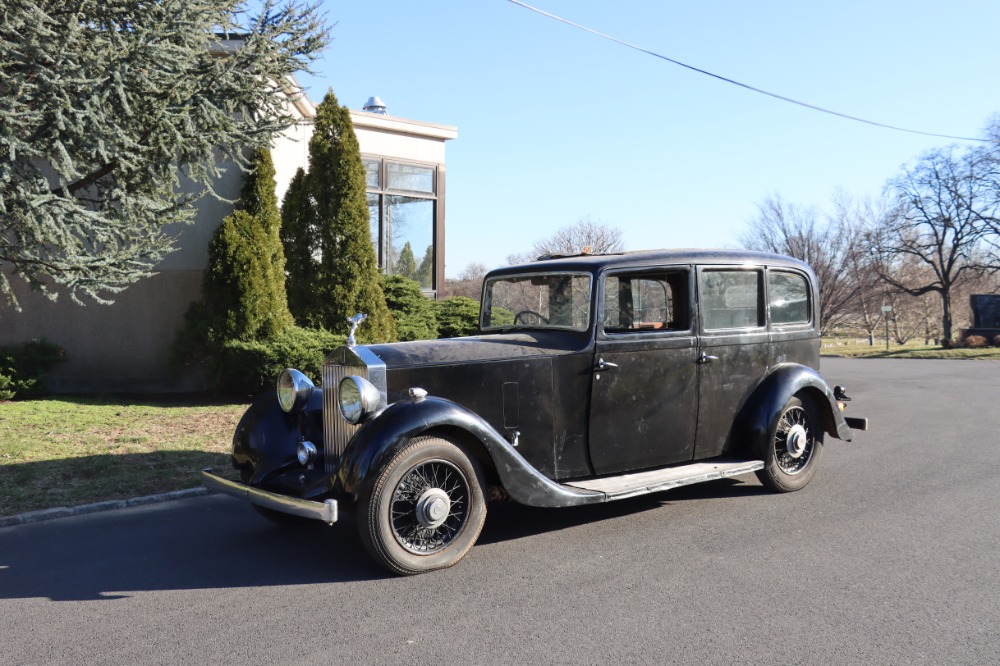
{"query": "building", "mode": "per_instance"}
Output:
(125, 347)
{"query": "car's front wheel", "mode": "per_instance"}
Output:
(425, 510)
(793, 448)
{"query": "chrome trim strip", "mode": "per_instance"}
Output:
(325, 511)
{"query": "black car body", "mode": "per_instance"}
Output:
(594, 378)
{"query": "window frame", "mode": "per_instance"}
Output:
(640, 272)
(762, 303)
(810, 302)
(528, 274)
(383, 190)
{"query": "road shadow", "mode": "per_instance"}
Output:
(508, 520)
(202, 543)
(217, 542)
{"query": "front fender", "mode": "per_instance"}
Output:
(786, 380)
(375, 443)
(266, 436)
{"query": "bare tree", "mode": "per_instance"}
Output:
(469, 282)
(586, 236)
(871, 291)
(825, 244)
(945, 223)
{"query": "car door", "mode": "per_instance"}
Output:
(644, 396)
(733, 349)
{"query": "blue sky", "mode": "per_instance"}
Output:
(556, 124)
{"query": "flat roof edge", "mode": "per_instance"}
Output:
(397, 125)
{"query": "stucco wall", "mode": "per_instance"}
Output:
(122, 347)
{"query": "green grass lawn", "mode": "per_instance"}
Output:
(71, 451)
(851, 348)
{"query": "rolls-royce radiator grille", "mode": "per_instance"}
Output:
(336, 431)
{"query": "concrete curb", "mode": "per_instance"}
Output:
(67, 512)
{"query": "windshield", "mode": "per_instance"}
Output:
(538, 300)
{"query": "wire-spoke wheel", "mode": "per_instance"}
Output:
(425, 509)
(429, 507)
(793, 449)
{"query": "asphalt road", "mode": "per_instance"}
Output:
(889, 556)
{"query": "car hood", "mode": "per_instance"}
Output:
(482, 348)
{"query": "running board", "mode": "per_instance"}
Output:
(641, 483)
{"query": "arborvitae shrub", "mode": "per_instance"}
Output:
(457, 316)
(238, 293)
(406, 265)
(244, 287)
(425, 271)
(300, 240)
(412, 311)
(243, 290)
(347, 279)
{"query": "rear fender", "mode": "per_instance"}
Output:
(787, 380)
(374, 445)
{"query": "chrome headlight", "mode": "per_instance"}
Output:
(358, 398)
(294, 389)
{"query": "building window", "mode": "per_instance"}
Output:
(403, 208)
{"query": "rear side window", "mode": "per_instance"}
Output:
(789, 298)
(731, 299)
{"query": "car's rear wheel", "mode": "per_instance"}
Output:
(793, 448)
(425, 510)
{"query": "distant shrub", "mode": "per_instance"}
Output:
(976, 342)
(412, 311)
(501, 317)
(949, 344)
(23, 368)
(457, 316)
(996, 341)
(246, 368)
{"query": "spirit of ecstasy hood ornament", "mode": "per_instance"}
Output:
(355, 321)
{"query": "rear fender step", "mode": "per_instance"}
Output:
(642, 483)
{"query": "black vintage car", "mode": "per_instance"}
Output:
(594, 378)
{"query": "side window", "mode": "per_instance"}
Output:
(731, 299)
(646, 302)
(788, 296)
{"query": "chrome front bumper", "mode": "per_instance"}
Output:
(325, 511)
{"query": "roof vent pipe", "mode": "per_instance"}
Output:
(375, 105)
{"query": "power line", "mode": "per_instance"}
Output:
(742, 85)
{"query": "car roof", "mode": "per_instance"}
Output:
(593, 263)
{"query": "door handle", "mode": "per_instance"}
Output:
(705, 358)
(603, 365)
